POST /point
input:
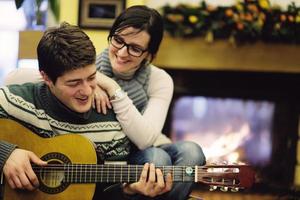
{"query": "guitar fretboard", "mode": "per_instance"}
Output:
(91, 173)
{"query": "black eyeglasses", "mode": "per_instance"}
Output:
(132, 50)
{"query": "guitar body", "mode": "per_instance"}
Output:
(72, 148)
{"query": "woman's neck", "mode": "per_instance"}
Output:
(125, 75)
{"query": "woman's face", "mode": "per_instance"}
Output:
(121, 60)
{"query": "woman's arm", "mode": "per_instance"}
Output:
(23, 75)
(144, 129)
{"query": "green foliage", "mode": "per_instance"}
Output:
(246, 21)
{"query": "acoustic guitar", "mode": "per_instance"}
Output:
(72, 171)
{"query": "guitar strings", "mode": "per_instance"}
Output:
(107, 173)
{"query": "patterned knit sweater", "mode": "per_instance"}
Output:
(34, 106)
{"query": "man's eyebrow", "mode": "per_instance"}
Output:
(78, 79)
(93, 74)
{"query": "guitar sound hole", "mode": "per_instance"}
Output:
(51, 178)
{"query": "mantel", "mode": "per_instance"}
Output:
(196, 54)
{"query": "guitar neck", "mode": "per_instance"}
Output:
(93, 173)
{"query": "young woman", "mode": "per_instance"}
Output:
(140, 93)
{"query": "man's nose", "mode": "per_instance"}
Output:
(86, 88)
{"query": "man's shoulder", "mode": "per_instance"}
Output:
(22, 89)
(27, 91)
(110, 116)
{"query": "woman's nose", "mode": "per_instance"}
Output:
(123, 51)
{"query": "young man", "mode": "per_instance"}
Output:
(62, 104)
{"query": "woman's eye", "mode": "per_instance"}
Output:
(119, 40)
(136, 49)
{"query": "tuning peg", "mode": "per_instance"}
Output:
(224, 162)
(224, 189)
(234, 189)
(212, 188)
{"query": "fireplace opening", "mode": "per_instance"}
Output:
(238, 116)
(230, 130)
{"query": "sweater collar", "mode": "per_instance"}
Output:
(57, 108)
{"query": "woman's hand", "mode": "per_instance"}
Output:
(101, 100)
(18, 171)
(150, 184)
(107, 84)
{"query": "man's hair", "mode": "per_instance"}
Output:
(142, 18)
(64, 48)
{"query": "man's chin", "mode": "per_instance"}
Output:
(82, 109)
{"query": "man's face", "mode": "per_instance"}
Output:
(75, 89)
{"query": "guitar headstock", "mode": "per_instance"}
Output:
(227, 177)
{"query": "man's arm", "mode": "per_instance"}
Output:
(18, 171)
(5, 150)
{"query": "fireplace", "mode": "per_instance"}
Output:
(277, 93)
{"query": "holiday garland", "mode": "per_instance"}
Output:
(246, 21)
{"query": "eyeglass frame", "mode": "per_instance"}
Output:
(128, 46)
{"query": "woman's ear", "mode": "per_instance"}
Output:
(150, 57)
(46, 78)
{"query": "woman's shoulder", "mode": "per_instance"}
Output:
(159, 73)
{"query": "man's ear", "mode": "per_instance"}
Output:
(47, 80)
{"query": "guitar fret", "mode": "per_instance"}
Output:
(128, 172)
(136, 174)
(68, 173)
(90, 166)
(101, 173)
(84, 172)
(114, 173)
(71, 178)
(86, 177)
(196, 174)
(78, 172)
(173, 173)
(96, 174)
(121, 174)
(73, 173)
(107, 173)
(183, 173)
(65, 173)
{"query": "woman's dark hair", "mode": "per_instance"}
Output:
(64, 48)
(142, 18)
